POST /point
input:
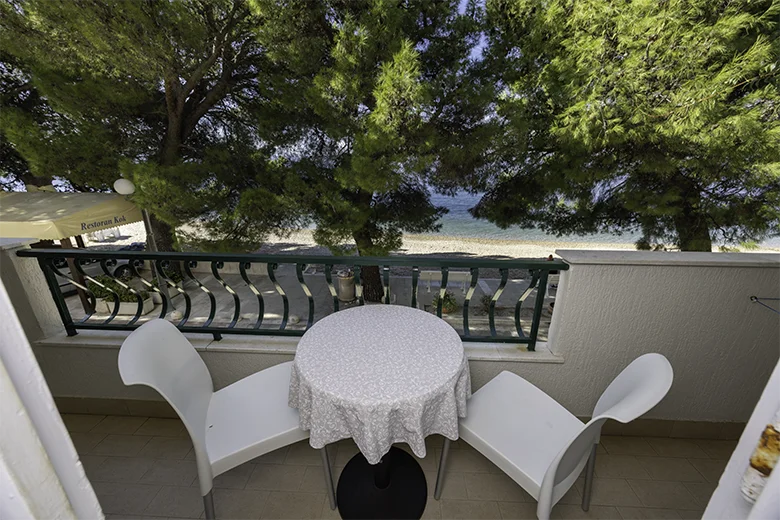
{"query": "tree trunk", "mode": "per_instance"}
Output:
(693, 230)
(373, 290)
(29, 178)
(164, 238)
(693, 233)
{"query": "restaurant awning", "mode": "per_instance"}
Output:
(55, 216)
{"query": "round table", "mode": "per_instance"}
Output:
(380, 374)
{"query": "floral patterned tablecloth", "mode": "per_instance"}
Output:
(380, 374)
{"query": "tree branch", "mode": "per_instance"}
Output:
(13, 92)
(211, 98)
(219, 45)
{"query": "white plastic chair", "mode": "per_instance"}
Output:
(228, 427)
(540, 444)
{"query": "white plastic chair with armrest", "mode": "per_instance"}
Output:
(228, 427)
(540, 444)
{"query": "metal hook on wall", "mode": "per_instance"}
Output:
(760, 301)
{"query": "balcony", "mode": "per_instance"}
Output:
(610, 307)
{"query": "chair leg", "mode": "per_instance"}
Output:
(589, 479)
(328, 477)
(208, 505)
(442, 465)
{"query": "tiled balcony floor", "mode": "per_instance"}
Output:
(144, 468)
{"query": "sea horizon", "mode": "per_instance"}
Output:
(458, 223)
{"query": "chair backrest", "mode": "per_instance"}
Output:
(637, 389)
(159, 356)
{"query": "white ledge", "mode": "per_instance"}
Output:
(286, 345)
(694, 259)
(15, 243)
(108, 339)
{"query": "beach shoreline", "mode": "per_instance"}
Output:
(302, 242)
(431, 245)
(497, 248)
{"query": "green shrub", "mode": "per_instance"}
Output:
(172, 272)
(449, 304)
(484, 302)
(124, 294)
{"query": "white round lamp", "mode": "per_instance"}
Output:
(124, 187)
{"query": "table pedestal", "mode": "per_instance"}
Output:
(404, 495)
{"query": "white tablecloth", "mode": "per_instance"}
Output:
(380, 374)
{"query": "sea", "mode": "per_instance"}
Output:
(459, 223)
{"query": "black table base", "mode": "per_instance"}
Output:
(361, 495)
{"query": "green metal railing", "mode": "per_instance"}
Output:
(161, 264)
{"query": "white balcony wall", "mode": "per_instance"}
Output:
(28, 291)
(611, 307)
(694, 308)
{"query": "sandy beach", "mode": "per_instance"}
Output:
(302, 242)
(425, 245)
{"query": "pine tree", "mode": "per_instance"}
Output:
(654, 116)
(14, 92)
(166, 92)
(43, 141)
(387, 103)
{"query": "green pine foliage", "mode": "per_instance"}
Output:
(239, 118)
(170, 94)
(382, 100)
(656, 116)
(380, 108)
(14, 169)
